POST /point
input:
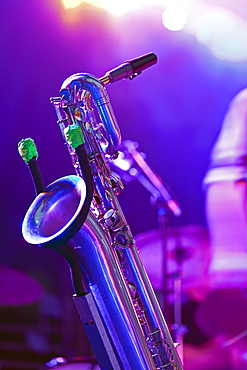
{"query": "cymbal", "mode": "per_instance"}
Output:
(185, 249)
(17, 288)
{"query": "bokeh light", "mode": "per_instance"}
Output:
(224, 33)
(213, 24)
(174, 18)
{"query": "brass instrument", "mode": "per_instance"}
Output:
(79, 216)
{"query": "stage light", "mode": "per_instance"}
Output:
(69, 4)
(174, 17)
(118, 8)
(115, 7)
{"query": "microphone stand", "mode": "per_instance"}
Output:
(175, 321)
(162, 213)
(164, 203)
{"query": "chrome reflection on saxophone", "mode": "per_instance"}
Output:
(80, 217)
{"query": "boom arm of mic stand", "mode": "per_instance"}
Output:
(172, 205)
(154, 184)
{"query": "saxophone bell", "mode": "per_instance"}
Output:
(57, 213)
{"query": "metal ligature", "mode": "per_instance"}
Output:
(80, 217)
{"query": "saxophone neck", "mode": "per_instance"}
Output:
(73, 88)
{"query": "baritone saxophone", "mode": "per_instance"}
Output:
(80, 217)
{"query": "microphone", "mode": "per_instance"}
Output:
(131, 68)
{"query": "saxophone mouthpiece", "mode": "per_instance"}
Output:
(130, 68)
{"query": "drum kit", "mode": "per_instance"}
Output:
(185, 258)
(220, 315)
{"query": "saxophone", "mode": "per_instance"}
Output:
(80, 217)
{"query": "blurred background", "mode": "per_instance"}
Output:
(174, 111)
